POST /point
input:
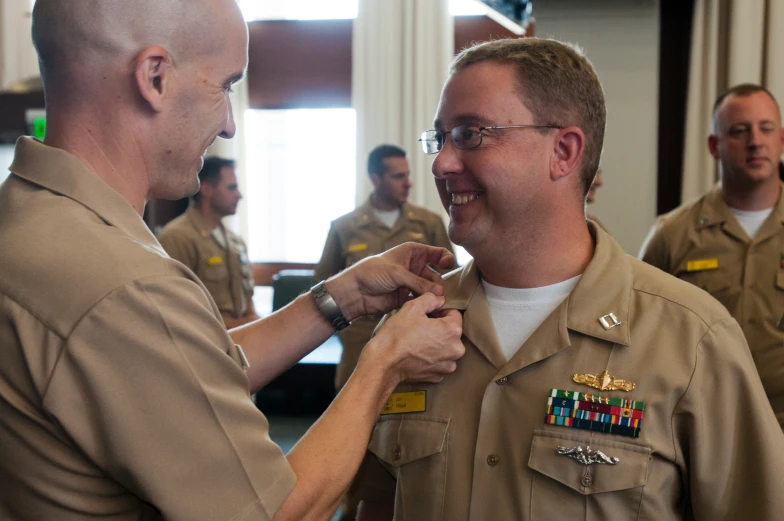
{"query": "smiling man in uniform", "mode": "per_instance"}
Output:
(594, 386)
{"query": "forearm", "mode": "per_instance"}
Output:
(329, 455)
(275, 343)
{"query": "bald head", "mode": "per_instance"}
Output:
(79, 40)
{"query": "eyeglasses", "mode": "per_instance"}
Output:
(463, 136)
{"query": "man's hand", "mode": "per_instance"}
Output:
(415, 347)
(381, 283)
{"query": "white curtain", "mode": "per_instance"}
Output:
(733, 41)
(401, 52)
(18, 60)
(235, 149)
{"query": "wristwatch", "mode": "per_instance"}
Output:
(328, 307)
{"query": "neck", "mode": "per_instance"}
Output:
(750, 198)
(546, 253)
(112, 156)
(379, 203)
(210, 217)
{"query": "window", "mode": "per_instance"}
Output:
(301, 175)
(334, 9)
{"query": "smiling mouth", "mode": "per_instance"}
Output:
(464, 198)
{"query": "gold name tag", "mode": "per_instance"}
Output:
(212, 261)
(353, 248)
(417, 236)
(702, 265)
(400, 403)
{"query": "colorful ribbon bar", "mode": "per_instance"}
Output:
(594, 412)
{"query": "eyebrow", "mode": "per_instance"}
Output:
(469, 117)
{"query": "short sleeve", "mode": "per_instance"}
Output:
(147, 389)
(726, 435)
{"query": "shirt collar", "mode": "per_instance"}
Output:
(605, 287)
(714, 209)
(61, 172)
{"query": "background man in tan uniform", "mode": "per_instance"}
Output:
(383, 222)
(593, 386)
(122, 395)
(214, 253)
(730, 242)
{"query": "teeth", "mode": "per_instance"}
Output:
(461, 199)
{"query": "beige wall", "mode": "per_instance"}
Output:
(621, 38)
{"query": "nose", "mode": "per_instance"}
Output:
(447, 161)
(230, 128)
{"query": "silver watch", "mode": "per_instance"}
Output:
(328, 307)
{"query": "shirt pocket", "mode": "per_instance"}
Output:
(416, 448)
(216, 272)
(586, 492)
(715, 282)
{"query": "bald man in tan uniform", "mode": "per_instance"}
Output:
(730, 242)
(593, 386)
(214, 253)
(363, 232)
(122, 395)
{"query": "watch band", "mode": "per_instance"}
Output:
(328, 307)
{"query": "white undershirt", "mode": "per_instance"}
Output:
(388, 218)
(517, 313)
(751, 221)
(219, 236)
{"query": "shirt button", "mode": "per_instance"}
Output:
(396, 454)
(752, 320)
(586, 480)
(501, 381)
(492, 460)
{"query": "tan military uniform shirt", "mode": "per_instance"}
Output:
(224, 270)
(122, 397)
(360, 234)
(703, 243)
(709, 447)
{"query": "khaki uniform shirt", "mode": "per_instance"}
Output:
(225, 271)
(703, 243)
(360, 234)
(709, 447)
(122, 397)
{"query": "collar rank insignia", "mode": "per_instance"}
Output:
(604, 382)
(593, 412)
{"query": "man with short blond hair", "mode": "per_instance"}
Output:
(122, 395)
(593, 386)
(730, 241)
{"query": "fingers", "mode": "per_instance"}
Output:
(425, 304)
(416, 284)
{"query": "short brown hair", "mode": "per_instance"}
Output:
(741, 91)
(558, 85)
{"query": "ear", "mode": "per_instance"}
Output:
(376, 180)
(713, 145)
(205, 190)
(153, 71)
(569, 148)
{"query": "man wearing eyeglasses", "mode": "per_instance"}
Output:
(386, 220)
(730, 242)
(593, 386)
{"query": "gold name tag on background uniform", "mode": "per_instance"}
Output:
(212, 261)
(400, 403)
(702, 265)
(353, 248)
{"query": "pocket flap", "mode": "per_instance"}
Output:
(398, 441)
(630, 472)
